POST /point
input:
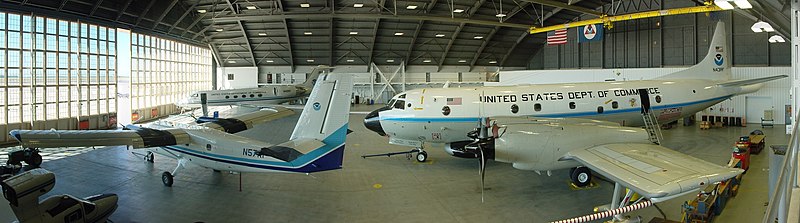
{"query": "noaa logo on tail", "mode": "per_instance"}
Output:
(718, 59)
(316, 106)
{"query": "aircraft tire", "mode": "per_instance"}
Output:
(422, 156)
(581, 177)
(35, 160)
(167, 179)
(149, 157)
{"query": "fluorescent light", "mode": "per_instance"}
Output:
(743, 4)
(776, 39)
(202, 11)
(305, 5)
(308, 33)
(310, 61)
(262, 34)
(458, 10)
(220, 30)
(462, 61)
(358, 5)
(350, 60)
(353, 33)
(270, 61)
(439, 35)
(426, 61)
(389, 61)
(251, 7)
(493, 62)
(724, 4)
(411, 7)
(398, 34)
(231, 61)
(478, 37)
(501, 15)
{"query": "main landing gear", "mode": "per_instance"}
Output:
(168, 177)
(580, 176)
(421, 156)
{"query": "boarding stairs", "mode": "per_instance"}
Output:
(652, 127)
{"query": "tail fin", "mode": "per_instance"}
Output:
(326, 113)
(312, 78)
(717, 63)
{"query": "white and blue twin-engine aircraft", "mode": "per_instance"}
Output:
(253, 97)
(317, 143)
(544, 127)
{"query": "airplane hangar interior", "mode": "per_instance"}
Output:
(660, 111)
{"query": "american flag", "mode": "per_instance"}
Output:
(453, 101)
(557, 37)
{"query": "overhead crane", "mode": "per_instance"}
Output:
(607, 20)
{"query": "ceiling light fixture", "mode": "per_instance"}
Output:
(310, 61)
(762, 26)
(493, 62)
(478, 37)
(202, 11)
(270, 61)
(350, 60)
(776, 39)
(305, 5)
(724, 4)
(426, 61)
(458, 10)
(501, 15)
(389, 61)
(307, 33)
(251, 7)
(231, 61)
(398, 34)
(439, 35)
(353, 33)
(411, 7)
(743, 4)
(220, 30)
(462, 61)
(358, 5)
(262, 34)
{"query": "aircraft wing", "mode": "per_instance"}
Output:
(653, 171)
(246, 121)
(137, 137)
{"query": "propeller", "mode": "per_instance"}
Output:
(482, 143)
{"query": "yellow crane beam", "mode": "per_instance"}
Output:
(608, 20)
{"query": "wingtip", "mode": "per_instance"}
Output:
(15, 133)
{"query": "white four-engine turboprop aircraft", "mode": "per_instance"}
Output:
(446, 115)
(254, 97)
(317, 143)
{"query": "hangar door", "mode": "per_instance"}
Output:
(756, 106)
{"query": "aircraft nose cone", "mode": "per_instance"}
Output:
(373, 122)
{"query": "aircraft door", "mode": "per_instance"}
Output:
(644, 97)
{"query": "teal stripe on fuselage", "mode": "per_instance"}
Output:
(557, 115)
(332, 142)
(249, 99)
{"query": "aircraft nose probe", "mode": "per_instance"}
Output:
(373, 122)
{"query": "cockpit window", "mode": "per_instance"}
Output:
(400, 104)
(391, 102)
(195, 95)
(402, 96)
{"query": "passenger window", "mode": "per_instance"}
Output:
(599, 109)
(614, 105)
(236, 96)
(399, 104)
(658, 98)
(514, 108)
(260, 95)
(446, 110)
(409, 105)
(244, 96)
(252, 96)
(572, 105)
(226, 97)
(537, 107)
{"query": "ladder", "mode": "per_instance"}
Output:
(652, 127)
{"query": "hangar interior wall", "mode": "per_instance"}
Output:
(671, 41)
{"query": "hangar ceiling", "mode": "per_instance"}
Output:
(347, 32)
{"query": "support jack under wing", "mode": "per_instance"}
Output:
(653, 171)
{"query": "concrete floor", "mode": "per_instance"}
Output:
(380, 189)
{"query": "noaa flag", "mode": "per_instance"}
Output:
(592, 32)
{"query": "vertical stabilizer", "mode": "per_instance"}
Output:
(717, 63)
(326, 113)
(312, 78)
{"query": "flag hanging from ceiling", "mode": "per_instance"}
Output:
(557, 37)
(591, 32)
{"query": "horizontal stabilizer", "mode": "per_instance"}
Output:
(653, 171)
(138, 138)
(735, 83)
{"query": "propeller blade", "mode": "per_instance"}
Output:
(482, 170)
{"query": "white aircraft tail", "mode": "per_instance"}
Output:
(326, 114)
(312, 78)
(717, 63)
